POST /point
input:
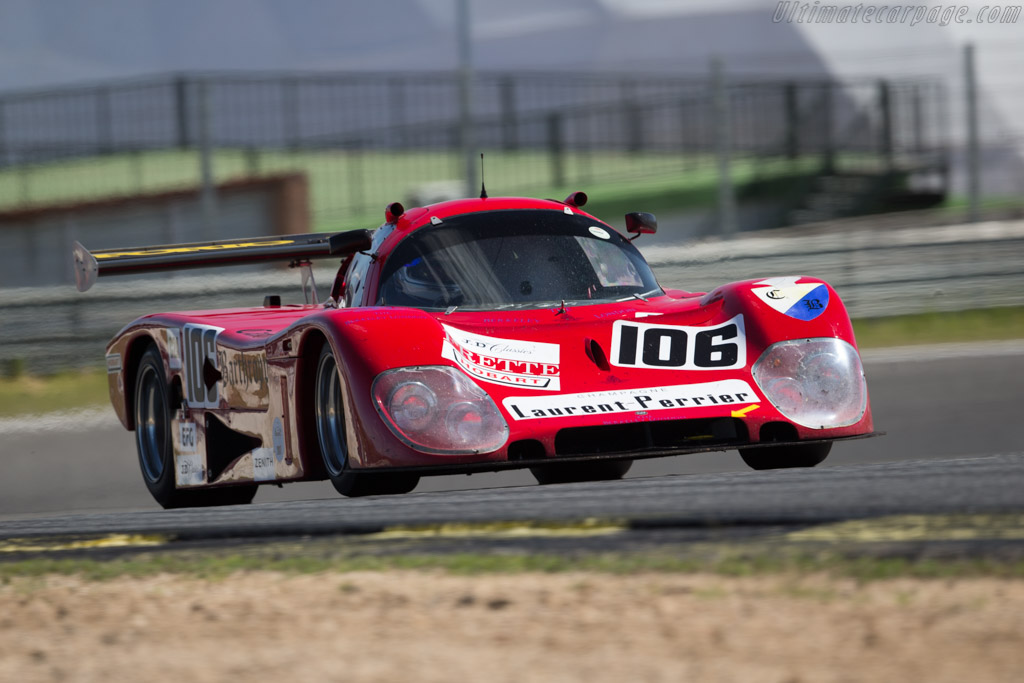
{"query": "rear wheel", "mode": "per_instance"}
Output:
(565, 473)
(331, 434)
(782, 457)
(153, 412)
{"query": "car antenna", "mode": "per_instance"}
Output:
(483, 189)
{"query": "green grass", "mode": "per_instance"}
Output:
(334, 555)
(931, 328)
(24, 395)
(957, 203)
(350, 188)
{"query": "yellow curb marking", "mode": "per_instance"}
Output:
(588, 527)
(37, 545)
(918, 528)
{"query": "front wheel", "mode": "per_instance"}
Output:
(331, 431)
(566, 473)
(782, 457)
(153, 413)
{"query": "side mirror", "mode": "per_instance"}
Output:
(641, 223)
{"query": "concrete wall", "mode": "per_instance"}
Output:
(35, 244)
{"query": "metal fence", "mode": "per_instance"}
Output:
(366, 139)
(911, 270)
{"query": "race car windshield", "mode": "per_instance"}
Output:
(514, 259)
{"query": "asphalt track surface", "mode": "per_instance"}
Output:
(953, 446)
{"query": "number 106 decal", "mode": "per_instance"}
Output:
(674, 347)
(198, 345)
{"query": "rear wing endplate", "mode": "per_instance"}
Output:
(90, 265)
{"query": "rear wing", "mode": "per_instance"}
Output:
(89, 265)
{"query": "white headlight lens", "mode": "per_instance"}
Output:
(413, 405)
(817, 383)
(465, 423)
(437, 409)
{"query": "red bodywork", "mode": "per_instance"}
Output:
(265, 360)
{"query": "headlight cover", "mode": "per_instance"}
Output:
(817, 383)
(437, 409)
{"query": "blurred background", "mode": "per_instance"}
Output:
(884, 155)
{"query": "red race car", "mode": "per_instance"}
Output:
(474, 335)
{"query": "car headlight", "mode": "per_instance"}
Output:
(817, 383)
(437, 409)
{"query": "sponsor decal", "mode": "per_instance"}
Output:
(263, 468)
(186, 437)
(278, 432)
(801, 301)
(511, 321)
(675, 347)
(725, 393)
(599, 232)
(512, 362)
(173, 343)
(165, 251)
(199, 344)
(617, 313)
(243, 370)
(113, 363)
(381, 315)
(188, 469)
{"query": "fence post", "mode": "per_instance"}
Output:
(720, 115)
(792, 115)
(207, 191)
(290, 113)
(828, 152)
(885, 109)
(556, 148)
(181, 108)
(631, 109)
(104, 123)
(252, 161)
(509, 122)
(355, 175)
(918, 120)
(3, 133)
(68, 276)
(25, 182)
(467, 137)
(973, 152)
(396, 95)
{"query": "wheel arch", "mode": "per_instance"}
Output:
(310, 347)
(135, 349)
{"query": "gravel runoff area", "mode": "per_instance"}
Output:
(432, 626)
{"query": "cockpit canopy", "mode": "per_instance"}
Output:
(523, 258)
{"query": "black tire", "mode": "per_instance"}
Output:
(567, 473)
(329, 416)
(153, 413)
(783, 457)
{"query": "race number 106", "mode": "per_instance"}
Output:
(199, 344)
(673, 347)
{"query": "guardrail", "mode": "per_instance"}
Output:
(877, 271)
